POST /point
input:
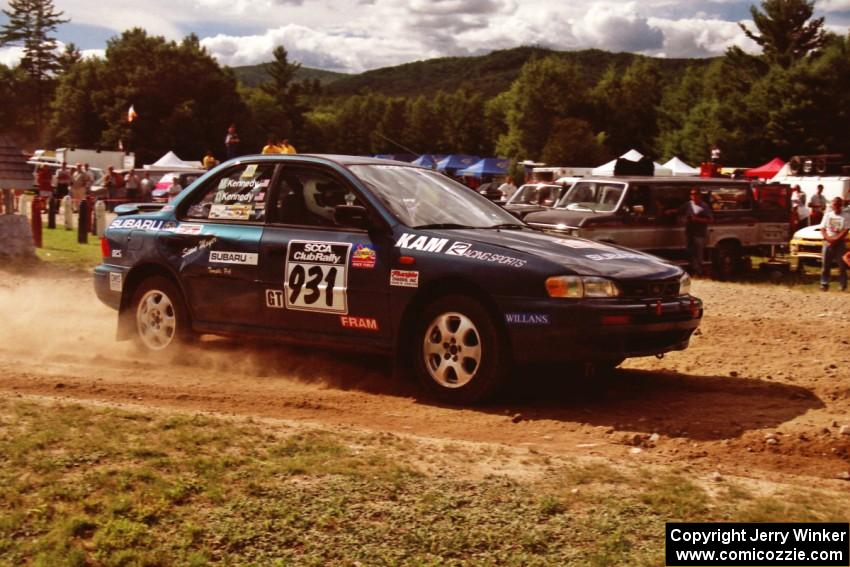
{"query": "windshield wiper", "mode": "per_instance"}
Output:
(509, 225)
(443, 225)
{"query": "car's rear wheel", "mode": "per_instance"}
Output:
(161, 318)
(462, 356)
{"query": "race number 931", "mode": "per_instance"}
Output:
(316, 276)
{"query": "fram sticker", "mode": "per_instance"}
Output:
(404, 278)
(219, 257)
(364, 323)
(424, 243)
(363, 257)
(527, 318)
(116, 281)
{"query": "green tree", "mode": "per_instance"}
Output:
(786, 31)
(31, 25)
(184, 99)
(573, 142)
(288, 95)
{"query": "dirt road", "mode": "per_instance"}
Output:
(763, 391)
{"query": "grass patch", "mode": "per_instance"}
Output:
(60, 247)
(83, 486)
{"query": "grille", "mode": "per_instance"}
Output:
(650, 289)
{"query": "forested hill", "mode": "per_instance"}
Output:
(254, 75)
(486, 74)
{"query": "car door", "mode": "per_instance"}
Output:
(216, 245)
(319, 276)
(669, 199)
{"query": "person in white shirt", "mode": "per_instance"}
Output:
(834, 227)
(175, 188)
(799, 208)
(508, 189)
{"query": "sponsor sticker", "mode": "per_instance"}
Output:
(458, 248)
(527, 318)
(249, 172)
(137, 224)
(230, 212)
(363, 257)
(274, 299)
(116, 281)
(364, 323)
(201, 246)
(615, 256)
(185, 228)
(246, 258)
(424, 243)
(404, 278)
(117, 253)
(316, 276)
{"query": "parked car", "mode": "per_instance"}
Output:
(160, 193)
(640, 213)
(337, 251)
(534, 197)
(806, 246)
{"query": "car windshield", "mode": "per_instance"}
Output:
(535, 194)
(596, 196)
(420, 198)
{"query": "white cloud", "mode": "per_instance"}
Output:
(834, 6)
(617, 27)
(10, 56)
(701, 38)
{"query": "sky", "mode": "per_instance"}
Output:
(357, 35)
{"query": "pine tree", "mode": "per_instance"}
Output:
(786, 31)
(31, 25)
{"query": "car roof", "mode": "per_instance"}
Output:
(667, 179)
(343, 160)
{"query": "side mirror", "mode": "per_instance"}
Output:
(351, 215)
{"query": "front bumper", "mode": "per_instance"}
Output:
(806, 248)
(109, 284)
(598, 329)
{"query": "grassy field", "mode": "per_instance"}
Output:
(60, 247)
(95, 486)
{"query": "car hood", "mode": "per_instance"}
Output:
(810, 233)
(576, 255)
(561, 216)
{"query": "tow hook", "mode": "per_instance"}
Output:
(659, 356)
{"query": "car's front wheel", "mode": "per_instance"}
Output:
(161, 319)
(462, 356)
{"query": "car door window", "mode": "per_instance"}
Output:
(238, 194)
(308, 197)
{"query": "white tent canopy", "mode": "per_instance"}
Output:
(170, 162)
(631, 155)
(678, 167)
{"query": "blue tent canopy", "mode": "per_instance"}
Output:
(486, 166)
(455, 162)
(425, 160)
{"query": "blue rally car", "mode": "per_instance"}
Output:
(337, 251)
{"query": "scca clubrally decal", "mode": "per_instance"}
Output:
(316, 276)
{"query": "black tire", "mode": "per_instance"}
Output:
(472, 382)
(165, 318)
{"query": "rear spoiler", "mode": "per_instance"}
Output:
(136, 208)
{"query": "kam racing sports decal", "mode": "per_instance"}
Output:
(409, 241)
(316, 276)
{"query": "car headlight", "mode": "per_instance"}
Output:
(685, 285)
(576, 287)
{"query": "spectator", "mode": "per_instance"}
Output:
(146, 187)
(698, 216)
(43, 182)
(836, 223)
(507, 188)
(231, 142)
(78, 186)
(131, 182)
(175, 187)
(63, 181)
(271, 146)
(109, 184)
(817, 205)
(89, 178)
(286, 147)
(715, 154)
(209, 160)
(799, 210)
